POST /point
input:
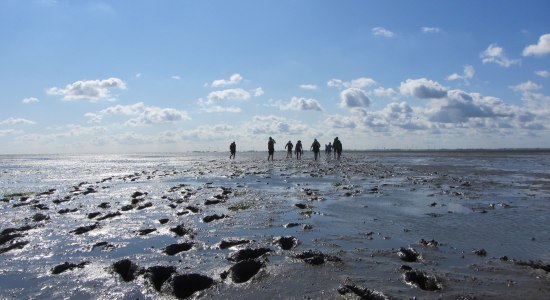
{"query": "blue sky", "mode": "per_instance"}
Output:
(133, 76)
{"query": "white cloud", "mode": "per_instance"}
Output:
(302, 104)
(431, 30)
(258, 92)
(543, 73)
(90, 90)
(468, 74)
(540, 49)
(358, 83)
(221, 109)
(145, 115)
(383, 92)
(16, 121)
(310, 87)
(354, 98)
(6, 132)
(124, 109)
(30, 100)
(138, 75)
(176, 77)
(229, 94)
(526, 86)
(423, 88)
(381, 31)
(234, 79)
(495, 54)
(272, 125)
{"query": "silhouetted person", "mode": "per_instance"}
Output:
(270, 148)
(299, 149)
(288, 148)
(316, 146)
(337, 147)
(233, 150)
(328, 149)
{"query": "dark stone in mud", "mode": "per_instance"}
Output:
(362, 293)
(286, 242)
(177, 248)
(93, 215)
(127, 207)
(248, 253)
(313, 257)
(18, 245)
(66, 211)
(535, 265)
(110, 215)
(4, 238)
(40, 217)
(180, 230)
(231, 243)
(186, 285)
(144, 206)
(164, 221)
(157, 275)
(214, 217)
(138, 194)
(422, 280)
(84, 229)
(212, 202)
(408, 254)
(301, 205)
(480, 252)
(193, 209)
(244, 270)
(41, 206)
(104, 205)
(146, 231)
(67, 266)
(126, 269)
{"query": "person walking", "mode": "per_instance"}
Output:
(316, 146)
(299, 149)
(233, 150)
(288, 148)
(270, 148)
(337, 147)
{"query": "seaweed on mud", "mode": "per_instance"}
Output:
(186, 285)
(362, 293)
(314, 257)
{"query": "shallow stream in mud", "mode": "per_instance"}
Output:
(393, 225)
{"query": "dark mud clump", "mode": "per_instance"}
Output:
(84, 229)
(157, 275)
(214, 217)
(93, 215)
(244, 270)
(40, 217)
(433, 243)
(4, 238)
(248, 253)
(177, 248)
(538, 265)
(67, 266)
(164, 221)
(18, 245)
(408, 255)
(109, 215)
(286, 242)
(314, 257)
(362, 293)
(126, 269)
(186, 285)
(180, 230)
(422, 280)
(480, 252)
(146, 231)
(231, 243)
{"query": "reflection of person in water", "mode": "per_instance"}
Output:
(337, 147)
(288, 148)
(299, 150)
(316, 146)
(233, 150)
(270, 148)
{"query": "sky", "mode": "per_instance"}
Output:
(173, 76)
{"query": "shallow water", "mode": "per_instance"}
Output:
(361, 209)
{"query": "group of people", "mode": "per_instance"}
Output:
(298, 150)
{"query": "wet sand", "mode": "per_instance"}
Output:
(374, 225)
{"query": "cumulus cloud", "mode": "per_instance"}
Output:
(383, 32)
(6, 132)
(145, 115)
(430, 30)
(358, 83)
(176, 77)
(302, 104)
(258, 92)
(383, 92)
(468, 74)
(89, 90)
(228, 94)
(272, 125)
(543, 73)
(222, 109)
(423, 88)
(310, 87)
(234, 79)
(526, 86)
(540, 49)
(495, 54)
(30, 100)
(354, 98)
(16, 121)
